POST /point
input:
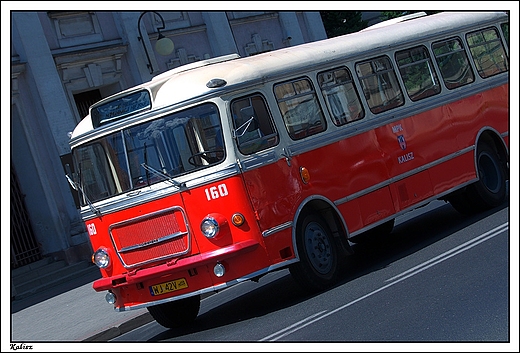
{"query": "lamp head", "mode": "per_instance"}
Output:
(164, 46)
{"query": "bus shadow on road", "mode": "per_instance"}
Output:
(409, 237)
(225, 309)
(271, 296)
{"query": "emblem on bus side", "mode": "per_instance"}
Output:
(407, 157)
(401, 141)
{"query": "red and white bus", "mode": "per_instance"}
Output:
(226, 169)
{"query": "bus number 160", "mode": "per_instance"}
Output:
(215, 192)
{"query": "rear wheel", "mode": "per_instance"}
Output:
(491, 188)
(318, 265)
(177, 313)
(489, 191)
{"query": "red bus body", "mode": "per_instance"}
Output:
(355, 178)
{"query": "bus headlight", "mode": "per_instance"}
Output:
(212, 225)
(219, 270)
(209, 227)
(110, 297)
(101, 258)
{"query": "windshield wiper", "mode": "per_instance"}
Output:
(163, 175)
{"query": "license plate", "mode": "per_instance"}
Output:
(168, 287)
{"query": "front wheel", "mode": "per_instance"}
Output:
(318, 265)
(177, 313)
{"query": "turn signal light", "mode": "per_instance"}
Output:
(238, 219)
(305, 175)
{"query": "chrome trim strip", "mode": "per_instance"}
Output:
(158, 191)
(152, 242)
(277, 228)
(402, 176)
(411, 208)
(259, 160)
(145, 216)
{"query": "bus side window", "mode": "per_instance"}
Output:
(417, 72)
(505, 32)
(300, 109)
(453, 63)
(487, 52)
(341, 96)
(380, 85)
(253, 126)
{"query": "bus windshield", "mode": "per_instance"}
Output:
(151, 152)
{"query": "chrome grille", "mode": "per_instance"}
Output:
(151, 237)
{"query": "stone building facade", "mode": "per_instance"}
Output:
(63, 61)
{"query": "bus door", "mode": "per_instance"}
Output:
(268, 177)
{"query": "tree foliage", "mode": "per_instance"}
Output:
(338, 23)
(388, 15)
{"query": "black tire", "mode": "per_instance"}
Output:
(375, 234)
(489, 191)
(318, 265)
(177, 313)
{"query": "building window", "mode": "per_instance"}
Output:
(244, 14)
(84, 100)
(76, 28)
(172, 19)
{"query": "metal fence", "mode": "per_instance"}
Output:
(24, 247)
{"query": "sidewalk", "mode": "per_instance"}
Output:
(71, 312)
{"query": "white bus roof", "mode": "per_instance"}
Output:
(189, 81)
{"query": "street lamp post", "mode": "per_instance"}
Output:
(163, 46)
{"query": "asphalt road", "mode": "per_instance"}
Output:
(441, 277)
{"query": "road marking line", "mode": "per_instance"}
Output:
(457, 249)
(407, 274)
(293, 325)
